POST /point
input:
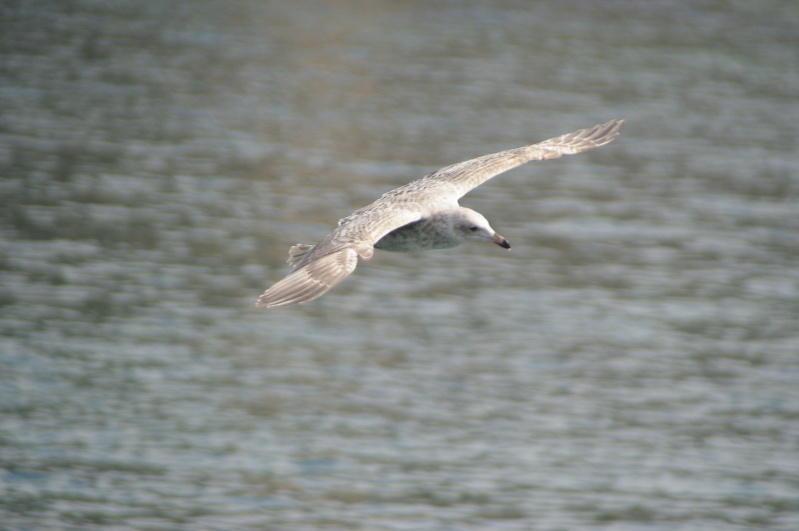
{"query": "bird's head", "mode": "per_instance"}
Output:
(470, 225)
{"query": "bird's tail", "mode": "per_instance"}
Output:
(297, 252)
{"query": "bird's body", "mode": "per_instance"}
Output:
(419, 216)
(423, 235)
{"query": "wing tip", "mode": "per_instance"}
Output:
(267, 300)
(272, 298)
(594, 137)
(607, 131)
(264, 302)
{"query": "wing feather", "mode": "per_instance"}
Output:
(333, 259)
(458, 179)
(311, 280)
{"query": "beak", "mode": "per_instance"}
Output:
(501, 241)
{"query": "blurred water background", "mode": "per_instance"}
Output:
(632, 364)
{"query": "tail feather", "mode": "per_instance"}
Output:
(298, 251)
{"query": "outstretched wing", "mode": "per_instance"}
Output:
(318, 269)
(458, 179)
(312, 280)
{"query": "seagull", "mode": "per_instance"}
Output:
(419, 216)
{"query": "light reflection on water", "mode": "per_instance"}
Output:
(631, 364)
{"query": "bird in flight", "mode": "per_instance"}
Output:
(419, 216)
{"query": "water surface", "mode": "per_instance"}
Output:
(630, 365)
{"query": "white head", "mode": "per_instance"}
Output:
(469, 225)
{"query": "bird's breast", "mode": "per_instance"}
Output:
(422, 235)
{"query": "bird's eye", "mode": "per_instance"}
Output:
(474, 228)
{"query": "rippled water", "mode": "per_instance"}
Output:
(633, 363)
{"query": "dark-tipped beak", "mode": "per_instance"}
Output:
(499, 240)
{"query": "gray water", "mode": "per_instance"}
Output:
(632, 364)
